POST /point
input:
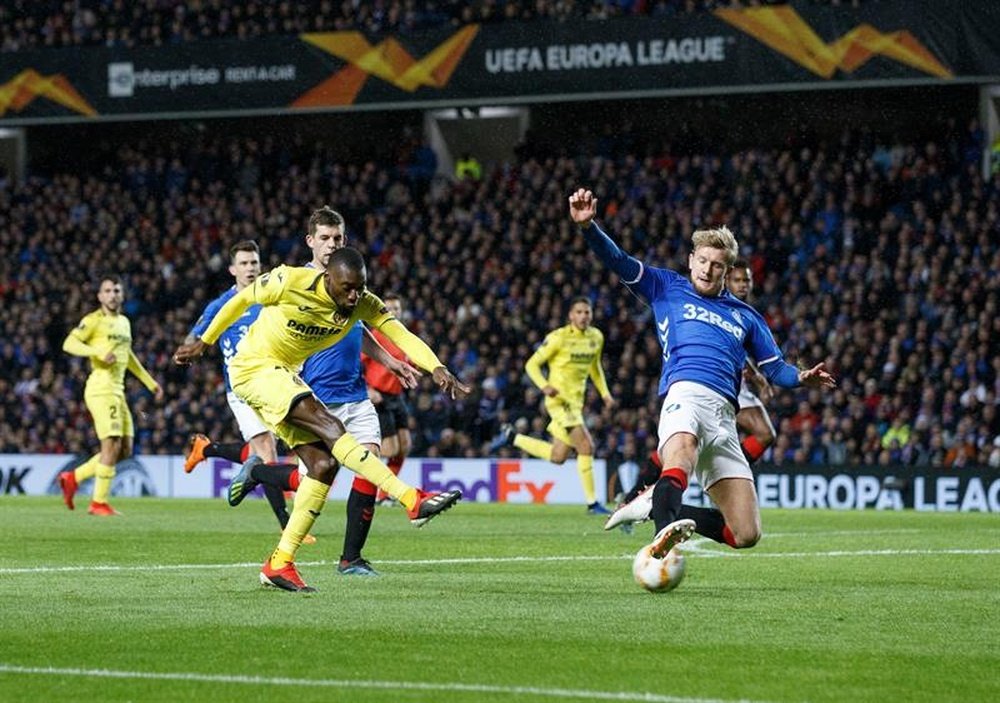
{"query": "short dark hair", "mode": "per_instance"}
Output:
(324, 216)
(392, 295)
(580, 299)
(243, 245)
(741, 264)
(113, 277)
(348, 257)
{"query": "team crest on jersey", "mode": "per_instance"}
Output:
(339, 319)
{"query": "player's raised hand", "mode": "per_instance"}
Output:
(449, 384)
(817, 377)
(189, 351)
(582, 207)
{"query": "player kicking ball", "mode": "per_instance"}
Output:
(304, 311)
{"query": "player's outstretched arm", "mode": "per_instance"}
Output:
(140, 372)
(424, 357)
(449, 383)
(407, 374)
(582, 210)
(195, 344)
(817, 377)
(189, 351)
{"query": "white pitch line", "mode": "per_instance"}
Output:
(693, 546)
(439, 687)
(841, 533)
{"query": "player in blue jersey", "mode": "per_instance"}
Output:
(752, 420)
(244, 265)
(706, 334)
(335, 377)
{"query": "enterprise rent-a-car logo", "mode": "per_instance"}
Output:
(124, 79)
(120, 79)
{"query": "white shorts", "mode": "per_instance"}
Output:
(360, 419)
(698, 410)
(247, 418)
(747, 398)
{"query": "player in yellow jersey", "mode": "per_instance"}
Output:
(105, 337)
(572, 354)
(304, 311)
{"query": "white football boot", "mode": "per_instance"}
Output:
(670, 536)
(637, 510)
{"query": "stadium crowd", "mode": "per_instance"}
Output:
(881, 259)
(29, 24)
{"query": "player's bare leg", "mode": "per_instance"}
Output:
(737, 501)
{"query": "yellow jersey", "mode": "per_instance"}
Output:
(572, 356)
(299, 318)
(97, 334)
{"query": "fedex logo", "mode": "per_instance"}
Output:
(503, 484)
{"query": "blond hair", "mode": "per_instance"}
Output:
(717, 238)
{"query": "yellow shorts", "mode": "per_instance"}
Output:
(564, 417)
(111, 414)
(270, 390)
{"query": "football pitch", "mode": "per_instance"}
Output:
(493, 603)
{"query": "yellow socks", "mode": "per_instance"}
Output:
(585, 467)
(309, 502)
(348, 452)
(87, 469)
(538, 448)
(102, 482)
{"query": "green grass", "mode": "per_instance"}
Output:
(831, 606)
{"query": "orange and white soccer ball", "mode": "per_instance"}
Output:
(658, 575)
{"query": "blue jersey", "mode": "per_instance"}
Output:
(334, 374)
(232, 336)
(705, 339)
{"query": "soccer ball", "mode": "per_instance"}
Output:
(658, 575)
